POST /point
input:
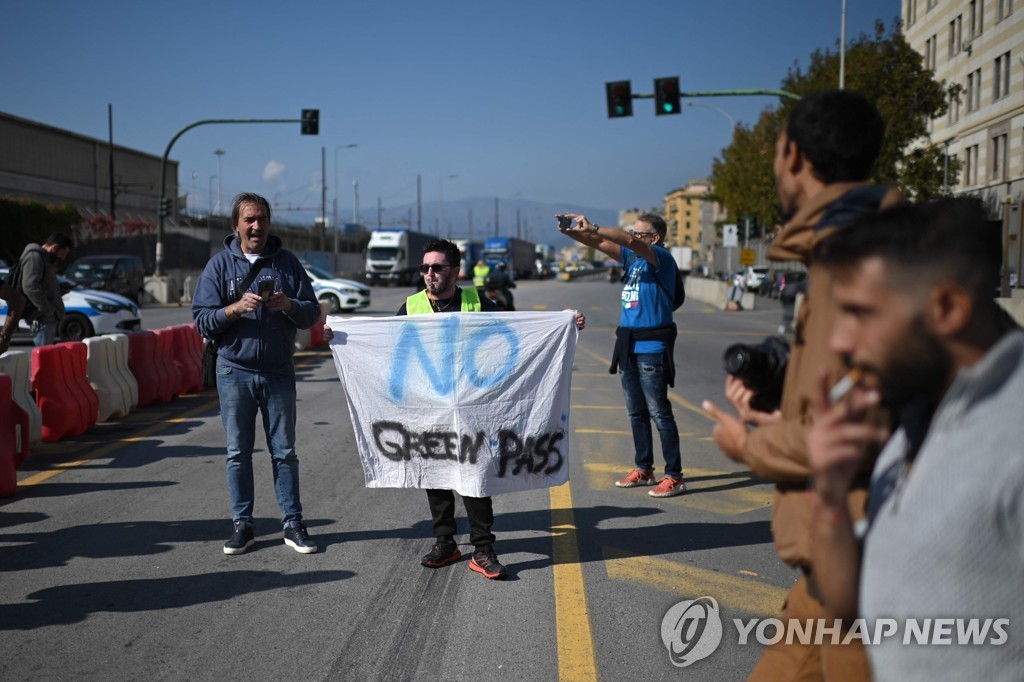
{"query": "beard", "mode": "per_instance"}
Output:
(919, 368)
(442, 285)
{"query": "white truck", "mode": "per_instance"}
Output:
(683, 256)
(395, 256)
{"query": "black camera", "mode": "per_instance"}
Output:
(266, 289)
(564, 222)
(761, 368)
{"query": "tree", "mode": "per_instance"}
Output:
(886, 70)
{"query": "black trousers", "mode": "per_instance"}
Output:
(478, 509)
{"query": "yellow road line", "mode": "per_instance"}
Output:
(107, 449)
(687, 582)
(572, 618)
(604, 431)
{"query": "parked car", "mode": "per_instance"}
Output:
(121, 274)
(752, 276)
(769, 284)
(791, 284)
(87, 312)
(341, 295)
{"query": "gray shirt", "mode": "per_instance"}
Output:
(946, 539)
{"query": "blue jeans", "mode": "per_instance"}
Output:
(45, 331)
(646, 391)
(242, 393)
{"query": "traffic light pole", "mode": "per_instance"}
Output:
(158, 269)
(729, 93)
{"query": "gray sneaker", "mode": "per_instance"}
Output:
(296, 537)
(241, 539)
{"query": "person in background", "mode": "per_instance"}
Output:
(38, 284)
(480, 272)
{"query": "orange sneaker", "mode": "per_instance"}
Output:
(670, 486)
(636, 477)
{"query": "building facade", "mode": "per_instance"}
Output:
(692, 217)
(55, 166)
(978, 45)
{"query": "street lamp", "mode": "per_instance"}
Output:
(336, 148)
(212, 178)
(440, 206)
(220, 182)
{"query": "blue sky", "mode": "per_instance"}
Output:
(507, 97)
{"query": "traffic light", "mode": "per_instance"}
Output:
(666, 96)
(165, 206)
(620, 99)
(310, 121)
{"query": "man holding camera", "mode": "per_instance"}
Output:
(644, 341)
(255, 329)
(822, 161)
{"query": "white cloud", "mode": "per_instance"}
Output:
(273, 170)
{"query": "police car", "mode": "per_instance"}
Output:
(340, 295)
(87, 312)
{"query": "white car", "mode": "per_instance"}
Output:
(87, 312)
(753, 275)
(341, 295)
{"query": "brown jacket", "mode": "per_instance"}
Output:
(778, 452)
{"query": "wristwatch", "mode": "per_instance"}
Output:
(594, 228)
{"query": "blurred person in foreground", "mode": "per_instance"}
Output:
(255, 365)
(644, 342)
(823, 160)
(945, 535)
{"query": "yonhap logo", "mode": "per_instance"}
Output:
(691, 630)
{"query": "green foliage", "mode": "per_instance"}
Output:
(886, 70)
(24, 222)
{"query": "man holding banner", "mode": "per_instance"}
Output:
(474, 405)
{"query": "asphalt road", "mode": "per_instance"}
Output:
(113, 570)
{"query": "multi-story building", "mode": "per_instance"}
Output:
(692, 216)
(978, 44)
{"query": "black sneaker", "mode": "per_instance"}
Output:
(485, 562)
(296, 537)
(241, 540)
(443, 552)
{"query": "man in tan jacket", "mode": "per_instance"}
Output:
(822, 162)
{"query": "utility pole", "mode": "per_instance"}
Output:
(419, 206)
(220, 181)
(355, 202)
(323, 199)
(158, 266)
(110, 126)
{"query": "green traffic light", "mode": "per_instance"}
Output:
(667, 108)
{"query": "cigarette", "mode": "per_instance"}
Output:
(844, 385)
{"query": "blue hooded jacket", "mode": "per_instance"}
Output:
(262, 340)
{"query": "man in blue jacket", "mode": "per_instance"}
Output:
(255, 329)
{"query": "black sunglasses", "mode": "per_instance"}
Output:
(435, 267)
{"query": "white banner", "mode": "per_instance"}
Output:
(477, 403)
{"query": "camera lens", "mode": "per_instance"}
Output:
(736, 358)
